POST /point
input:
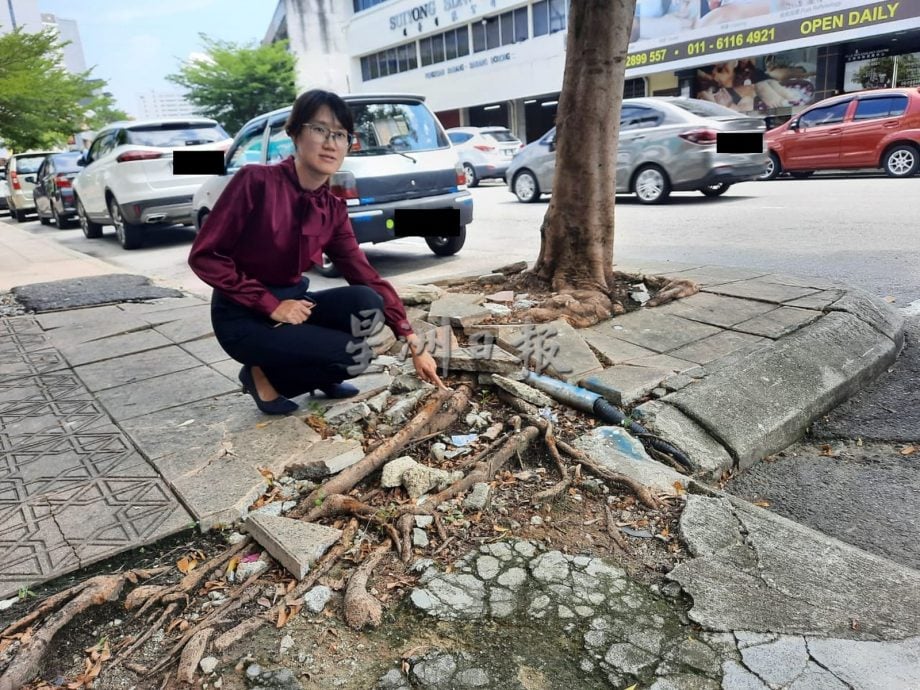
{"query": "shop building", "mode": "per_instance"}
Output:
(501, 62)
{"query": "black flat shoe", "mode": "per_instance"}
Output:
(279, 405)
(337, 390)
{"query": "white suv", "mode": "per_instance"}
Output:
(127, 178)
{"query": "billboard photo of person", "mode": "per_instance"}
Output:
(761, 85)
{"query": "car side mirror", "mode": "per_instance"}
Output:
(29, 178)
(551, 145)
(794, 125)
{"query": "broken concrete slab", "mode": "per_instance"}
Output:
(708, 458)
(413, 295)
(819, 300)
(503, 296)
(566, 353)
(296, 544)
(716, 310)
(460, 309)
(759, 405)
(866, 664)
(495, 361)
(713, 275)
(779, 322)
(327, 457)
(624, 384)
(347, 412)
(763, 575)
(403, 406)
(221, 492)
(615, 449)
(522, 391)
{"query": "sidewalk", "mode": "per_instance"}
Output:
(123, 423)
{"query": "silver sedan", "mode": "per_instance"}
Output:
(665, 145)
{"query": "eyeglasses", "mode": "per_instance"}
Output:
(321, 134)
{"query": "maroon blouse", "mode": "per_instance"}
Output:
(251, 240)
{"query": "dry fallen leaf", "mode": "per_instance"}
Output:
(910, 450)
(264, 602)
(262, 425)
(186, 564)
(679, 488)
(762, 503)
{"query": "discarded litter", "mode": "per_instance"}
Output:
(638, 533)
(463, 439)
(547, 413)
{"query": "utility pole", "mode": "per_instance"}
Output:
(12, 13)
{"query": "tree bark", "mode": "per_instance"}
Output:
(576, 250)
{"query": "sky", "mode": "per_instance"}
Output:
(134, 45)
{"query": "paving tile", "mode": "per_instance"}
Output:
(208, 350)
(297, 545)
(240, 485)
(716, 310)
(804, 281)
(708, 276)
(165, 305)
(653, 267)
(461, 309)
(717, 346)
(653, 330)
(16, 362)
(159, 393)
(230, 370)
(32, 547)
(678, 366)
(624, 384)
(184, 330)
(779, 322)
(137, 367)
(70, 336)
(84, 317)
(79, 353)
(763, 290)
(19, 324)
(568, 354)
(200, 311)
(603, 338)
(819, 300)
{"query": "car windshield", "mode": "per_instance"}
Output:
(176, 134)
(382, 128)
(67, 162)
(703, 108)
(501, 135)
(28, 164)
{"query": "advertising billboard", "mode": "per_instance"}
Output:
(689, 32)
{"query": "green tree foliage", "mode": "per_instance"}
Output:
(235, 83)
(41, 103)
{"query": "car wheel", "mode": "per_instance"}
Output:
(901, 161)
(199, 219)
(526, 188)
(772, 169)
(41, 218)
(447, 246)
(20, 216)
(130, 236)
(327, 269)
(802, 174)
(652, 185)
(470, 172)
(717, 189)
(91, 230)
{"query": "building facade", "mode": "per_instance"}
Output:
(68, 32)
(501, 62)
(156, 104)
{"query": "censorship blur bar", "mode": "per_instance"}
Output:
(739, 142)
(198, 162)
(419, 222)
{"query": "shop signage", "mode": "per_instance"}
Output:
(475, 63)
(763, 37)
(416, 14)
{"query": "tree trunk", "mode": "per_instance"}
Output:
(576, 249)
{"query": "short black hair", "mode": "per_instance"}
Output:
(309, 102)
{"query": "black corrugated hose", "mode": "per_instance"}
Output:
(608, 413)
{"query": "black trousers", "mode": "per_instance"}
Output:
(329, 347)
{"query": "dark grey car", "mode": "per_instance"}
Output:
(665, 145)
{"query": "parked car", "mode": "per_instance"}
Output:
(485, 152)
(53, 192)
(665, 145)
(879, 128)
(4, 189)
(127, 178)
(402, 159)
(20, 172)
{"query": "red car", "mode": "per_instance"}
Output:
(865, 129)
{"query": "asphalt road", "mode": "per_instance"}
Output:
(861, 229)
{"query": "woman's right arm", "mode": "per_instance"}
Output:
(213, 254)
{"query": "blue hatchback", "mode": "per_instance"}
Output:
(53, 193)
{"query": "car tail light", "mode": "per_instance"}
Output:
(129, 156)
(703, 137)
(461, 176)
(344, 185)
(483, 147)
(62, 182)
(14, 180)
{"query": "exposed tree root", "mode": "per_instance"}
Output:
(531, 416)
(191, 655)
(404, 524)
(565, 480)
(430, 419)
(362, 609)
(669, 290)
(238, 632)
(615, 534)
(581, 308)
(61, 610)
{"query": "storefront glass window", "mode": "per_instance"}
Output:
(450, 45)
(557, 15)
(507, 24)
(479, 37)
(493, 38)
(425, 50)
(463, 41)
